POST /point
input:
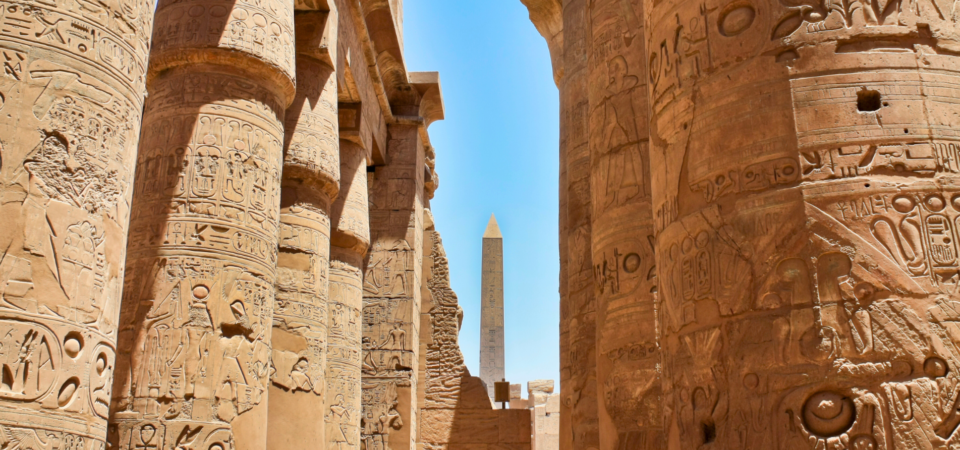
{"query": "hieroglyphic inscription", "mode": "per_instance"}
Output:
(342, 417)
(200, 279)
(445, 365)
(311, 177)
(392, 293)
(256, 31)
(71, 96)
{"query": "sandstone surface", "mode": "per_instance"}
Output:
(767, 192)
(236, 262)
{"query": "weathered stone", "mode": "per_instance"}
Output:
(541, 386)
(800, 209)
(250, 220)
(515, 392)
(578, 305)
(195, 357)
(391, 292)
(311, 178)
(622, 228)
(350, 238)
(71, 103)
(455, 407)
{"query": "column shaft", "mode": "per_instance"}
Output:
(622, 229)
(391, 294)
(349, 243)
(71, 103)
(805, 189)
(578, 361)
(311, 177)
(195, 355)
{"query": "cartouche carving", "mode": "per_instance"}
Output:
(71, 96)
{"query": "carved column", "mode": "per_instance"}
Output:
(807, 203)
(349, 242)
(391, 294)
(71, 97)
(578, 361)
(622, 229)
(311, 178)
(195, 351)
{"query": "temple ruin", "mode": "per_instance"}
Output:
(769, 192)
(231, 247)
(215, 229)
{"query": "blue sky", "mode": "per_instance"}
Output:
(497, 152)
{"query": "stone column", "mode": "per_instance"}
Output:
(71, 97)
(349, 242)
(566, 436)
(578, 310)
(196, 318)
(391, 294)
(311, 178)
(622, 229)
(807, 201)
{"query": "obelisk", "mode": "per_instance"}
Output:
(491, 311)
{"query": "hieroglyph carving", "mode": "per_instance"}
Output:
(71, 96)
(343, 355)
(380, 414)
(199, 298)
(445, 366)
(301, 302)
(804, 188)
(249, 31)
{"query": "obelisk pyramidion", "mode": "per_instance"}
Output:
(491, 310)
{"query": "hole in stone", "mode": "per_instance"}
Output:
(7, 377)
(73, 344)
(866, 185)
(868, 101)
(905, 131)
(709, 432)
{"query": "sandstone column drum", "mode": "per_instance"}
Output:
(311, 179)
(195, 357)
(71, 97)
(804, 180)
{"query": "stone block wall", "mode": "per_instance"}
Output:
(456, 412)
(544, 414)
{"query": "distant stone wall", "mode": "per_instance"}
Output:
(456, 412)
(544, 414)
